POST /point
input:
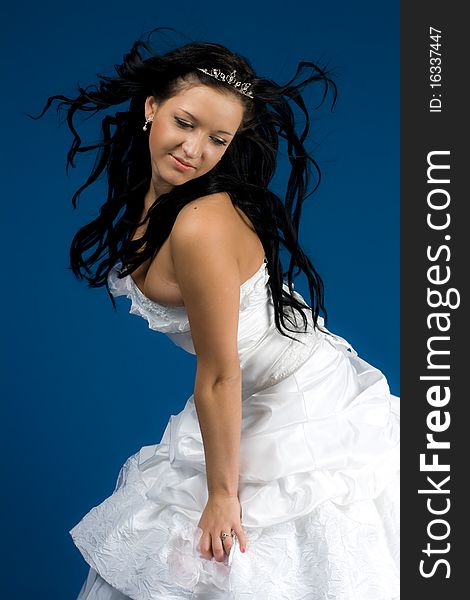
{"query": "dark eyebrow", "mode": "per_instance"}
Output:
(193, 117)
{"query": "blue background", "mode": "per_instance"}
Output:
(86, 387)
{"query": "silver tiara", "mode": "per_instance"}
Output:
(230, 79)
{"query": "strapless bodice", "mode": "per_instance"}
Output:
(266, 356)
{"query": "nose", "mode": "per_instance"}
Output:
(193, 145)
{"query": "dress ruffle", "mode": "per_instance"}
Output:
(174, 319)
(148, 551)
(167, 319)
(315, 498)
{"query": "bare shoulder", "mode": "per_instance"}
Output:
(214, 225)
(217, 206)
(209, 219)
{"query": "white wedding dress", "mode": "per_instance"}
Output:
(319, 477)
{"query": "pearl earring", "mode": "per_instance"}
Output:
(147, 121)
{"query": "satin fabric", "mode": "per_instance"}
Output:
(319, 468)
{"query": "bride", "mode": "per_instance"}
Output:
(279, 478)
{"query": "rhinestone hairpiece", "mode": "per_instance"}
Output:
(231, 79)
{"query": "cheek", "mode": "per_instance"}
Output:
(215, 155)
(161, 136)
(210, 162)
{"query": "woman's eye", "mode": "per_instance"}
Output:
(186, 125)
(219, 142)
(183, 124)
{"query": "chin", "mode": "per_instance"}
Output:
(176, 179)
(180, 180)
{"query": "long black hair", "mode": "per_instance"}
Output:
(244, 172)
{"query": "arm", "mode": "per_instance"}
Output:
(219, 412)
(203, 248)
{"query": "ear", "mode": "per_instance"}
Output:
(151, 105)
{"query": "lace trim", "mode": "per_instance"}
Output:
(149, 551)
(174, 319)
(297, 352)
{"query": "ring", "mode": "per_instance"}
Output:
(226, 535)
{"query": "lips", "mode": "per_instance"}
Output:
(182, 161)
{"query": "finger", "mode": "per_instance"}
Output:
(205, 546)
(217, 548)
(241, 537)
(227, 544)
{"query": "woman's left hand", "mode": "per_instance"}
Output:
(222, 513)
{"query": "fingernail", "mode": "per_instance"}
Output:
(243, 549)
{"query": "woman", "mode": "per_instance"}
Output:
(279, 478)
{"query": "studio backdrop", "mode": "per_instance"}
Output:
(84, 387)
